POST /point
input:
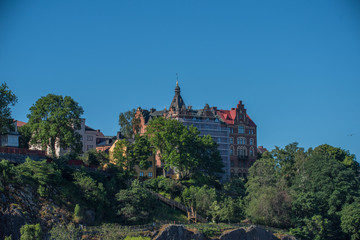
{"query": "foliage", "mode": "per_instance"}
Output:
(183, 149)
(53, 120)
(128, 123)
(25, 136)
(65, 232)
(42, 173)
(95, 158)
(7, 99)
(77, 214)
(306, 191)
(135, 205)
(8, 237)
(7, 171)
(137, 238)
(350, 220)
(90, 189)
(199, 199)
(31, 232)
(165, 185)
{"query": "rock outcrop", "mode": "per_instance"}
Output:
(178, 232)
(252, 233)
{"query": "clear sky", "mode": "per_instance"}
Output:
(294, 64)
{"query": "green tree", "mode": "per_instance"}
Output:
(96, 158)
(40, 172)
(31, 232)
(135, 205)
(25, 136)
(92, 190)
(268, 201)
(53, 121)
(183, 150)
(350, 220)
(7, 99)
(128, 123)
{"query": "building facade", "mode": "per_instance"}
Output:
(233, 130)
(243, 139)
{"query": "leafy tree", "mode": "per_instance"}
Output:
(135, 205)
(53, 121)
(128, 123)
(96, 158)
(25, 136)
(31, 232)
(122, 154)
(183, 149)
(40, 172)
(200, 199)
(7, 99)
(91, 190)
(350, 220)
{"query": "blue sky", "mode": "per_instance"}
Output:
(294, 64)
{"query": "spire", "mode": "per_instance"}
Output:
(177, 103)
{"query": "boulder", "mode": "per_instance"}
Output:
(90, 216)
(257, 233)
(178, 232)
(236, 234)
(252, 233)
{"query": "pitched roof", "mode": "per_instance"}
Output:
(20, 123)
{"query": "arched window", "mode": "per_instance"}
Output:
(239, 152)
(251, 141)
(231, 150)
(238, 140)
(241, 129)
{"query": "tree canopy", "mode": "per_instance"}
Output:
(7, 99)
(307, 191)
(183, 149)
(53, 120)
(128, 123)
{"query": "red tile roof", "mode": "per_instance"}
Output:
(20, 123)
(228, 116)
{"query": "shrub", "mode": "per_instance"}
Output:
(31, 232)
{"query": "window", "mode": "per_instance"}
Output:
(141, 174)
(231, 141)
(231, 130)
(89, 138)
(150, 164)
(251, 152)
(241, 129)
(150, 174)
(231, 150)
(239, 152)
(232, 163)
(238, 140)
(88, 147)
(251, 141)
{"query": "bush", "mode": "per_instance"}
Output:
(31, 232)
(67, 232)
(77, 214)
